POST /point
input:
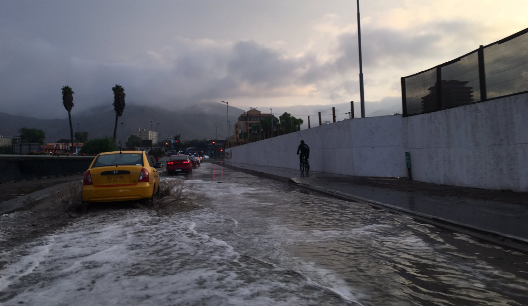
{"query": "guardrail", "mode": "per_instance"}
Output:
(23, 167)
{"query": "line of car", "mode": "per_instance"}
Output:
(129, 175)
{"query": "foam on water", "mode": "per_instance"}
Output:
(138, 258)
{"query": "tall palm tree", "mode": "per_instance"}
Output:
(119, 103)
(67, 101)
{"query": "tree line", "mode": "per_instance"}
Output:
(271, 125)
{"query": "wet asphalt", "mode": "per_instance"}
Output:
(249, 240)
(386, 258)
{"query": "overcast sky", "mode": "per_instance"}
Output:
(258, 53)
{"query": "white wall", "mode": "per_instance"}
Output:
(363, 147)
(483, 145)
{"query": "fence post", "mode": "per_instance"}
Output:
(351, 109)
(320, 122)
(404, 97)
(439, 87)
(482, 74)
(308, 121)
(333, 114)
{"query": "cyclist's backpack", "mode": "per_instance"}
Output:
(305, 150)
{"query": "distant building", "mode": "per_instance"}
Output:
(245, 122)
(59, 148)
(148, 135)
(5, 141)
(454, 93)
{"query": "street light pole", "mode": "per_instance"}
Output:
(229, 124)
(227, 119)
(361, 89)
(216, 138)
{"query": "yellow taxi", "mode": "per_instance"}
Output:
(120, 176)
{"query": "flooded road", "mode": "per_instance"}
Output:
(254, 241)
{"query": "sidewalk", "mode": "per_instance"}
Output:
(497, 216)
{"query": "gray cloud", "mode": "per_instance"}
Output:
(89, 48)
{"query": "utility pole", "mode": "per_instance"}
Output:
(361, 89)
(271, 122)
(247, 127)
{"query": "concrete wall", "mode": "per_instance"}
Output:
(484, 145)
(15, 168)
(363, 147)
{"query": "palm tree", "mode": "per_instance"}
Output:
(119, 103)
(67, 101)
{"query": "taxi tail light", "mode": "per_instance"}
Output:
(87, 178)
(143, 176)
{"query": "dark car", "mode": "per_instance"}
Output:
(179, 163)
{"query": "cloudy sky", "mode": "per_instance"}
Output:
(259, 53)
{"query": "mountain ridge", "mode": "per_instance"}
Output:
(99, 121)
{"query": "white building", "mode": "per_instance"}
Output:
(148, 135)
(5, 141)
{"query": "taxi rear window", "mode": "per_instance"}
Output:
(119, 159)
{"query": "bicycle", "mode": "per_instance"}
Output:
(305, 166)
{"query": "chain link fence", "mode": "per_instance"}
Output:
(496, 70)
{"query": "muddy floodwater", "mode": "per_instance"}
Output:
(244, 240)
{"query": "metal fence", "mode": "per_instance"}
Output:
(24, 148)
(496, 70)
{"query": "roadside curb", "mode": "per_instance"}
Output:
(489, 236)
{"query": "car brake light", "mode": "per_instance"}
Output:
(143, 176)
(87, 178)
(170, 163)
(186, 162)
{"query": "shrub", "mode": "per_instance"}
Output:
(6, 150)
(98, 145)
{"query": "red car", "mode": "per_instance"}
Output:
(179, 163)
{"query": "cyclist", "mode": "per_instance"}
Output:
(305, 152)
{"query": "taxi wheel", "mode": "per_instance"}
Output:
(149, 202)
